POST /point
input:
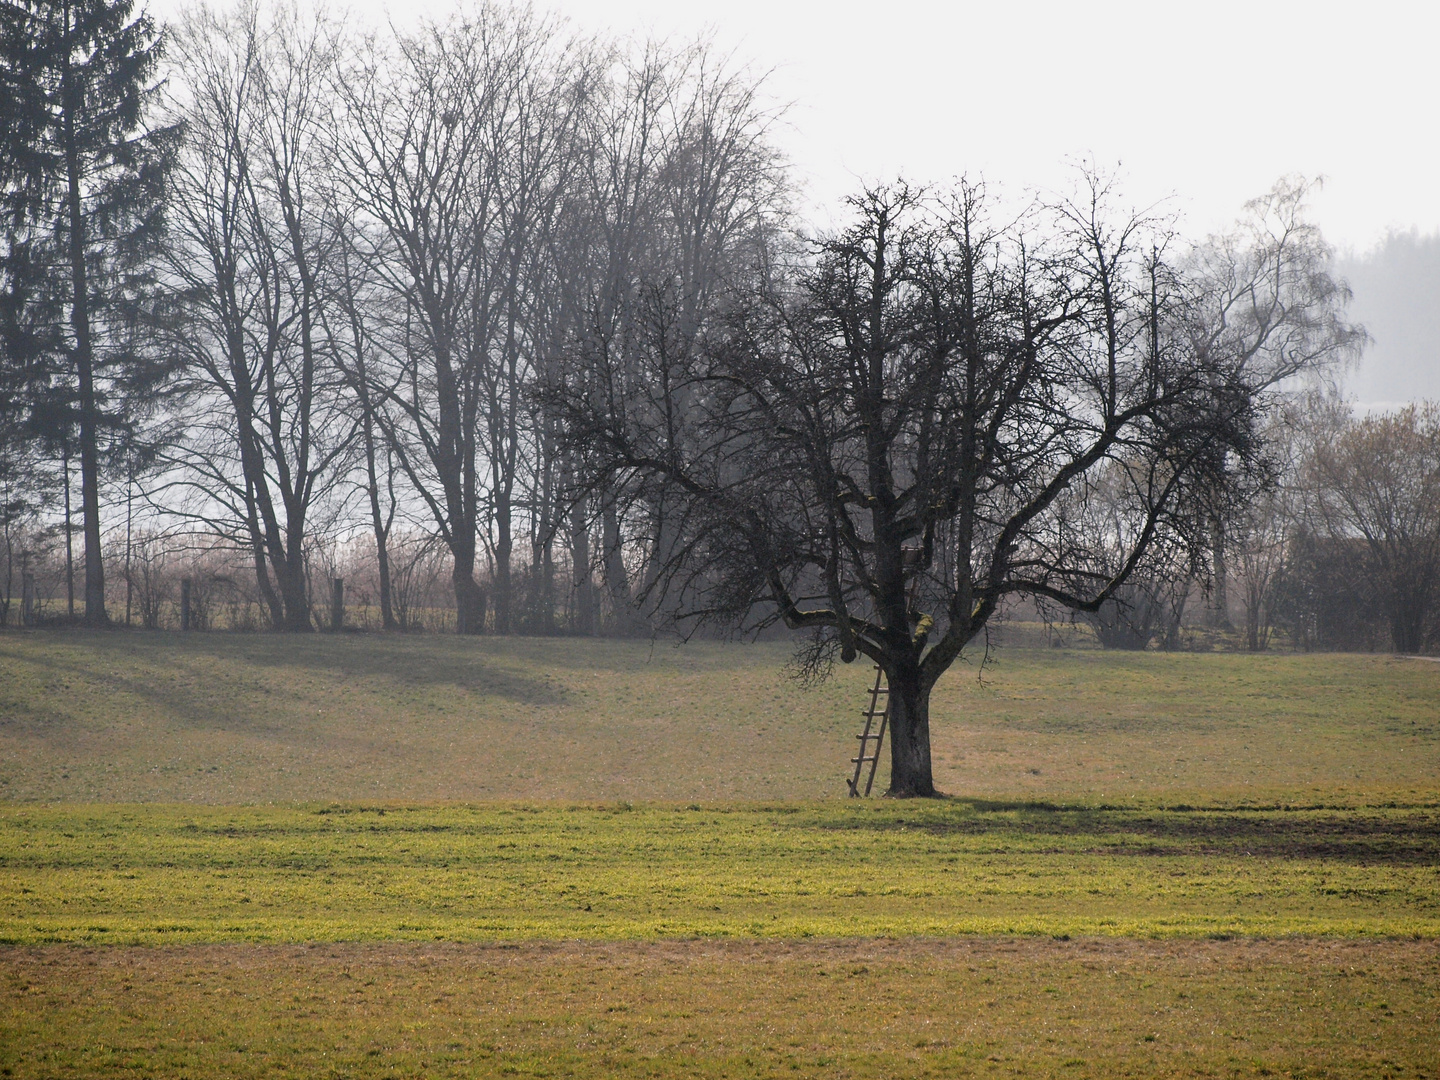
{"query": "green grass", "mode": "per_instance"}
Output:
(164, 874)
(221, 718)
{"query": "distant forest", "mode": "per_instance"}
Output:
(283, 301)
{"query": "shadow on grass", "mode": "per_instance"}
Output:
(253, 692)
(1408, 836)
(407, 661)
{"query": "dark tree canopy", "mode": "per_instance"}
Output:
(885, 446)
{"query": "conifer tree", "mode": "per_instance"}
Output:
(81, 187)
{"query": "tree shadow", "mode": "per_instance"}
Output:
(409, 662)
(1399, 836)
(178, 680)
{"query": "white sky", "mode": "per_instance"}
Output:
(1207, 100)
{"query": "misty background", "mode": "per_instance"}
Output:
(1397, 297)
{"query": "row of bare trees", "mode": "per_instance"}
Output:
(384, 244)
(371, 250)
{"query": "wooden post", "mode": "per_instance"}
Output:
(337, 605)
(185, 604)
(27, 599)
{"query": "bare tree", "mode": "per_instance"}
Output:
(1377, 485)
(622, 145)
(1149, 605)
(1261, 529)
(539, 95)
(688, 197)
(886, 450)
(412, 158)
(255, 246)
(520, 195)
(358, 303)
(1263, 297)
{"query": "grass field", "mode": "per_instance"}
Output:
(421, 857)
(256, 718)
(1029, 1007)
(155, 875)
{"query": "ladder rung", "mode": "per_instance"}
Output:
(861, 760)
(879, 689)
(869, 735)
(872, 714)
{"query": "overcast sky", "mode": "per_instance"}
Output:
(1210, 100)
(1207, 101)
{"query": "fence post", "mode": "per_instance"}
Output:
(27, 599)
(185, 604)
(337, 605)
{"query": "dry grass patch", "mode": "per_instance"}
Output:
(913, 1008)
(1235, 846)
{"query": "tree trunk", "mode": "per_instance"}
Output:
(286, 549)
(617, 581)
(69, 534)
(257, 550)
(504, 552)
(910, 774)
(547, 584)
(1177, 618)
(661, 556)
(580, 570)
(470, 598)
(6, 592)
(543, 560)
(95, 614)
(1252, 617)
(1219, 614)
(1407, 617)
(381, 528)
(294, 596)
(378, 520)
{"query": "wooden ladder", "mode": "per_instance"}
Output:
(872, 738)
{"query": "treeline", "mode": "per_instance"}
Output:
(283, 301)
(324, 272)
(1339, 550)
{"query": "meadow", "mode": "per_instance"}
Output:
(241, 718)
(233, 855)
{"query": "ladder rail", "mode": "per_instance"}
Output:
(879, 742)
(870, 734)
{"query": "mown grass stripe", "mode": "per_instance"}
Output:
(99, 874)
